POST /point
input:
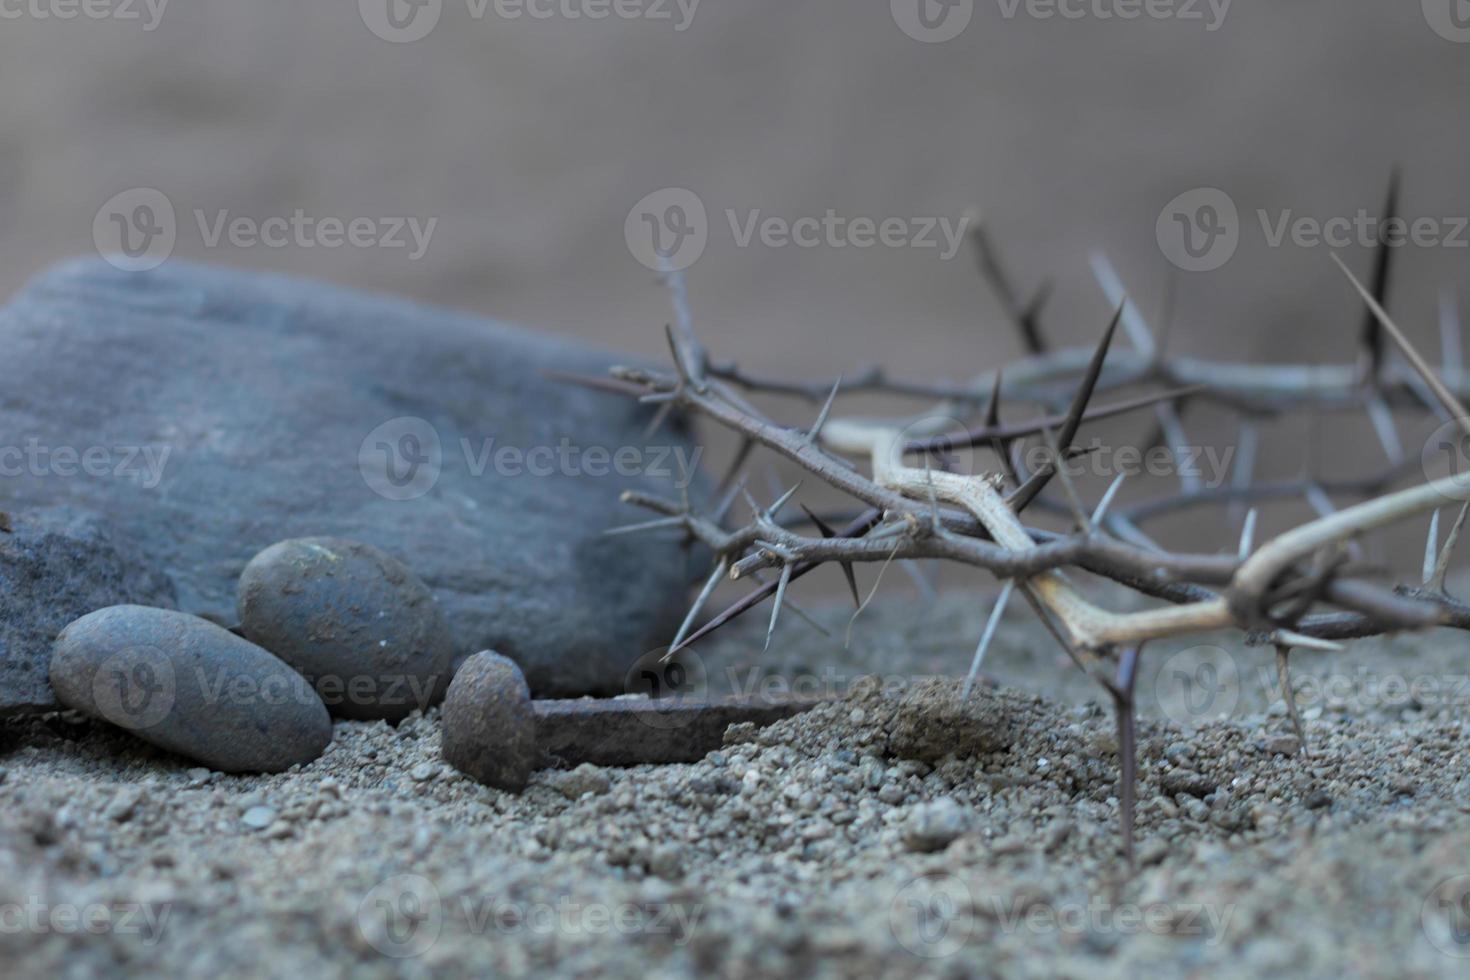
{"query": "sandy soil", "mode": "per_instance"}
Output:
(894, 832)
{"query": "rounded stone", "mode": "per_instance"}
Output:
(355, 622)
(191, 687)
(489, 726)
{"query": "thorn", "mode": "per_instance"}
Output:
(815, 433)
(992, 407)
(1445, 396)
(658, 420)
(1166, 314)
(1031, 317)
(857, 529)
(1431, 547)
(1247, 535)
(737, 463)
(871, 593)
(1025, 318)
(1452, 354)
(782, 501)
(792, 604)
(1246, 445)
(780, 598)
(662, 522)
(933, 497)
(1388, 435)
(1293, 639)
(1074, 501)
(1125, 709)
(847, 568)
(1288, 692)
(721, 567)
(1028, 492)
(1442, 566)
(722, 510)
(1129, 531)
(594, 382)
(1372, 333)
(1089, 382)
(920, 580)
(990, 627)
(1107, 500)
(677, 353)
(1173, 427)
(1112, 287)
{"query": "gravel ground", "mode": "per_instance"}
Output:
(897, 831)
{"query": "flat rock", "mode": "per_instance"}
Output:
(229, 411)
(56, 564)
(191, 687)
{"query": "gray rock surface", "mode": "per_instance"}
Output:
(228, 411)
(56, 564)
(191, 687)
(353, 621)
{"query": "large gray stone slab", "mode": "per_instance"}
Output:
(225, 411)
(57, 564)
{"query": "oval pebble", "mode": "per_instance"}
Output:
(191, 687)
(489, 728)
(366, 633)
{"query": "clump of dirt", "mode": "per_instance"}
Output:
(896, 830)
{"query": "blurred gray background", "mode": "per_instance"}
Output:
(529, 139)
